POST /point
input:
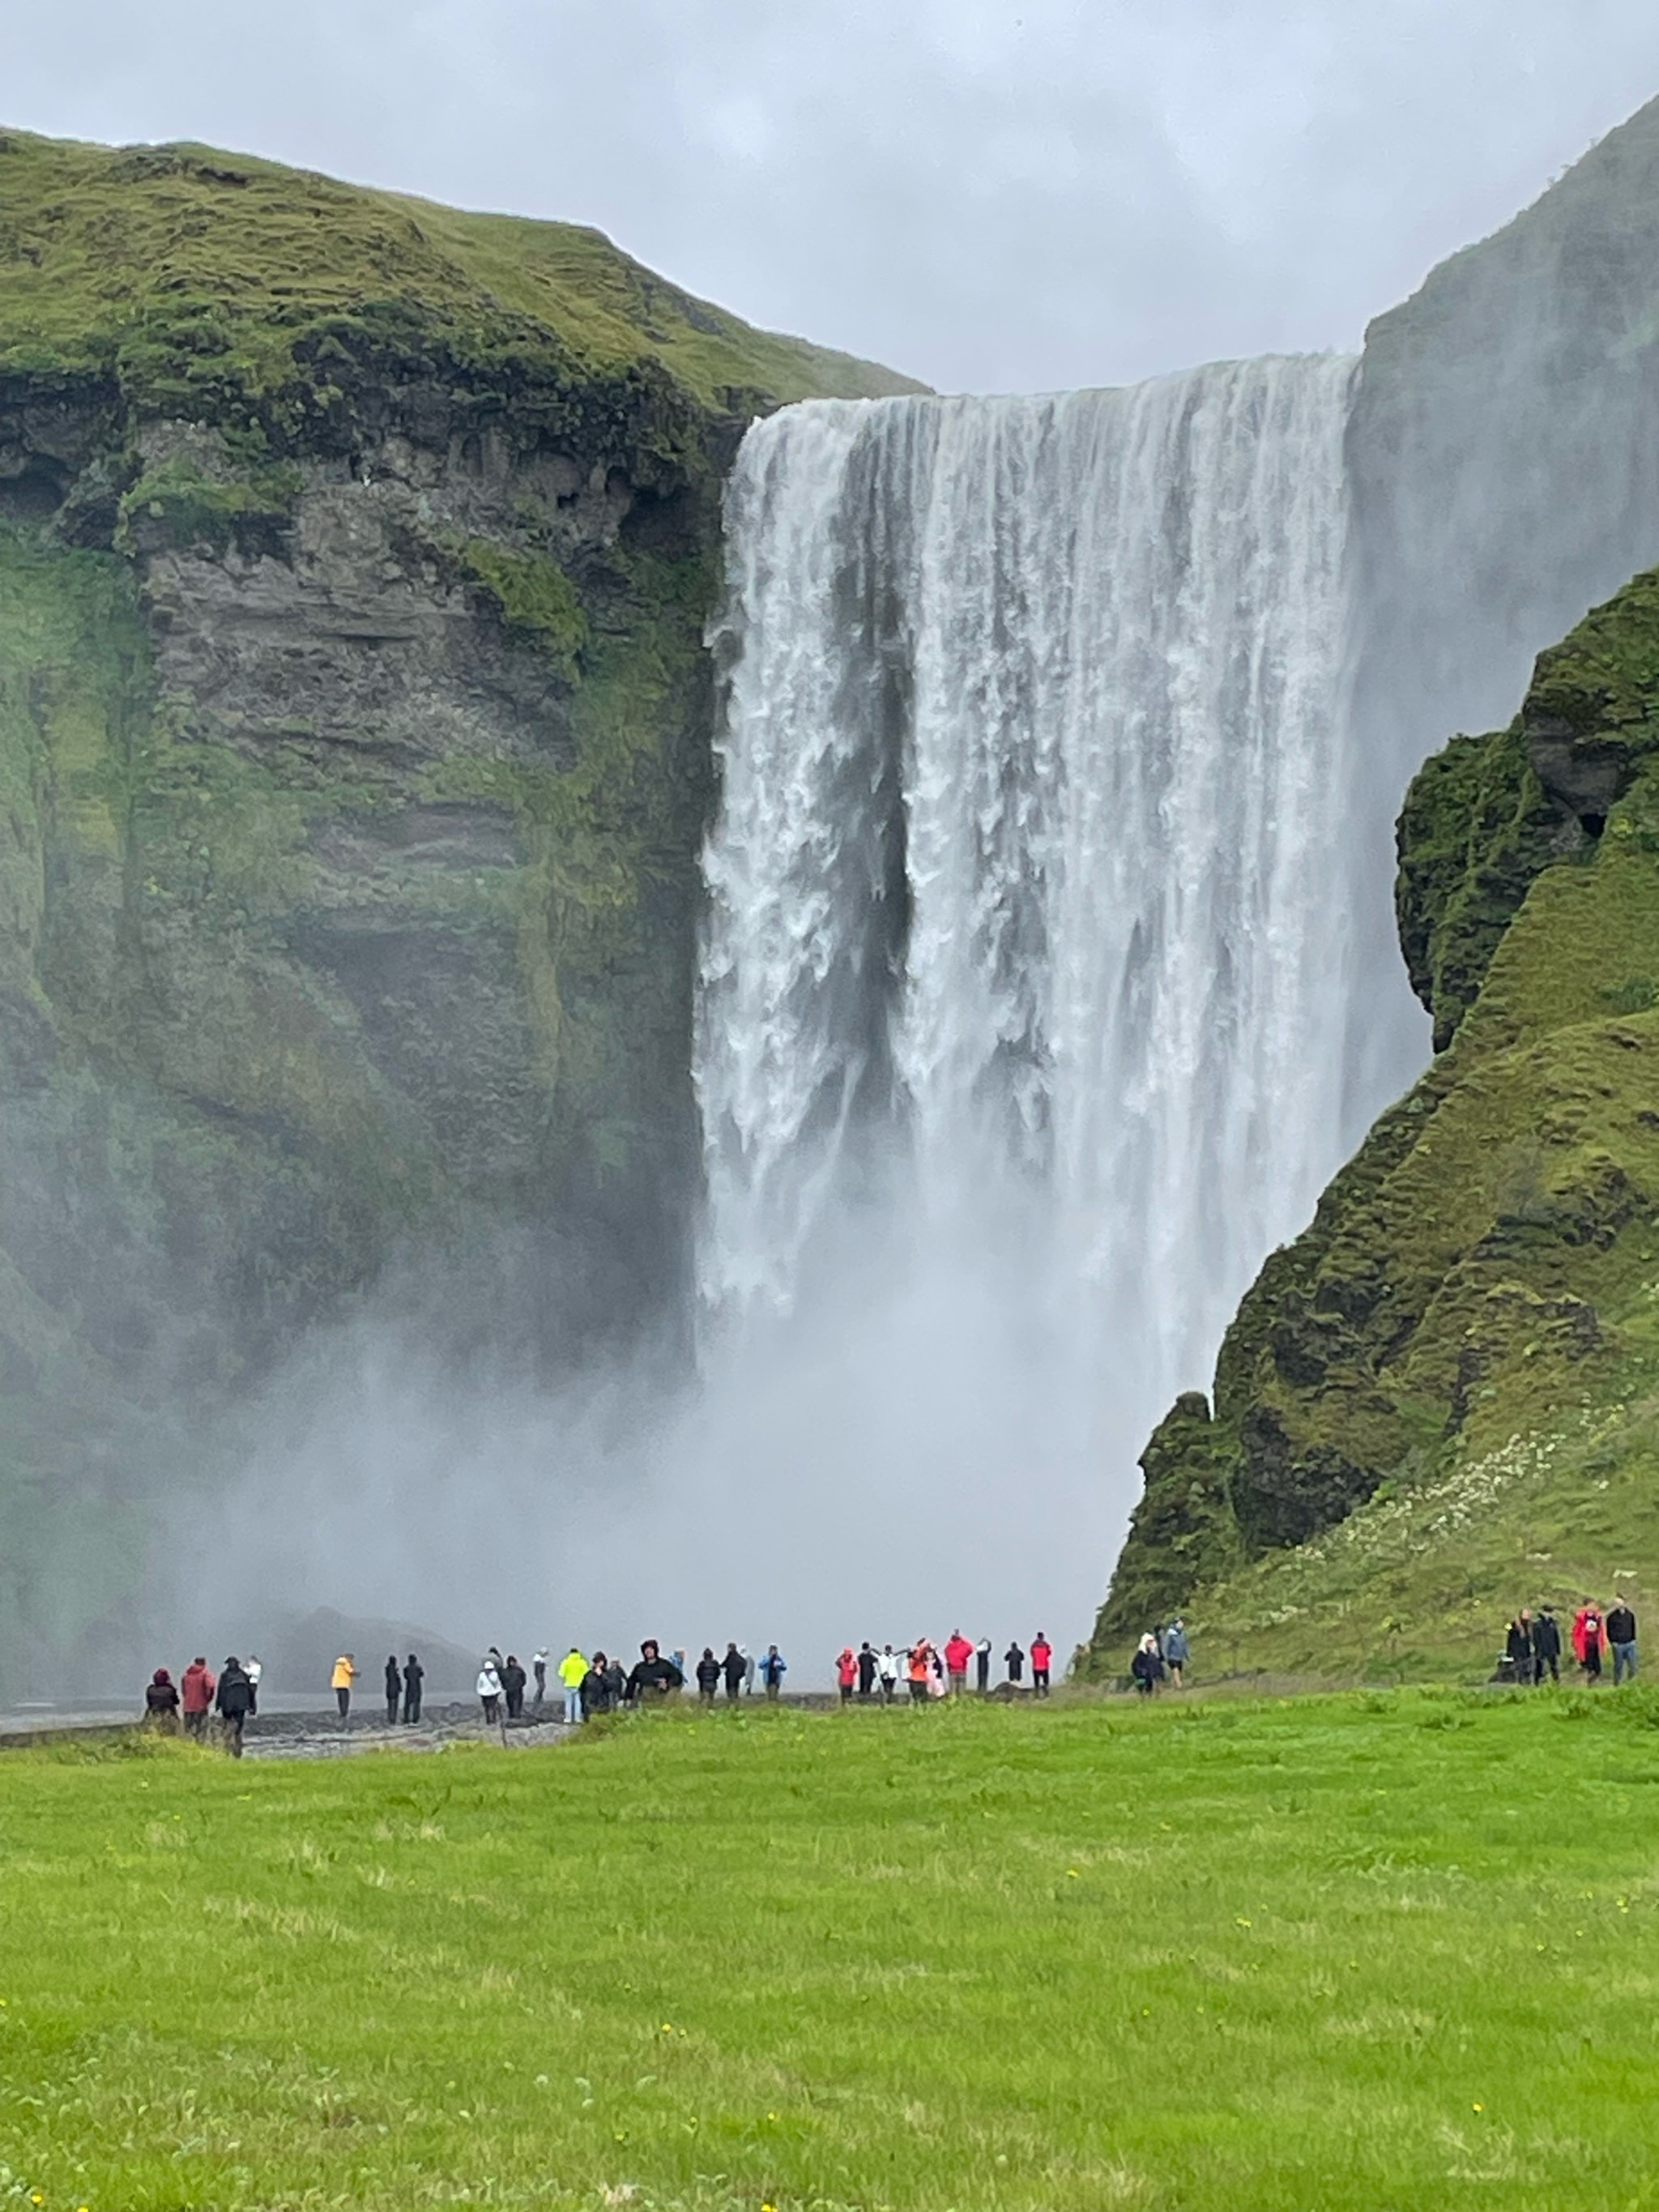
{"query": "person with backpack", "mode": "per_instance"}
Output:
(773, 1668)
(735, 1668)
(197, 1689)
(1042, 1655)
(1014, 1660)
(1621, 1635)
(394, 1689)
(573, 1673)
(957, 1652)
(1545, 1645)
(708, 1675)
(233, 1698)
(162, 1703)
(847, 1673)
(414, 1675)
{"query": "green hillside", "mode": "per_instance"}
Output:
(355, 557)
(184, 267)
(1440, 1402)
(1214, 1956)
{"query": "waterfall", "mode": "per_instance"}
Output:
(1027, 926)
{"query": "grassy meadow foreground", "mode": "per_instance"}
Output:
(1374, 1950)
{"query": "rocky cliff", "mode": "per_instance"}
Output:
(1438, 1402)
(354, 555)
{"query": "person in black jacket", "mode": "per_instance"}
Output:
(394, 1688)
(1145, 1666)
(162, 1703)
(1518, 1647)
(414, 1675)
(868, 1664)
(514, 1678)
(597, 1694)
(1620, 1626)
(1545, 1645)
(232, 1699)
(735, 1668)
(1014, 1660)
(708, 1675)
(655, 1676)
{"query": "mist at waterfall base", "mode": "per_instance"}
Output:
(1029, 983)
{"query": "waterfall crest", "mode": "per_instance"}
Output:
(1027, 916)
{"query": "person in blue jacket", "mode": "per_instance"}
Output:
(773, 1668)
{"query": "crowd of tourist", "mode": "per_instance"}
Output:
(1533, 1649)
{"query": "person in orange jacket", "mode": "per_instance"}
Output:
(918, 1668)
(1042, 1658)
(1589, 1639)
(847, 1673)
(197, 1685)
(957, 1652)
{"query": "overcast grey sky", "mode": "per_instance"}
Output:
(1024, 195)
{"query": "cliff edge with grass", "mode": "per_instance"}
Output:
(355, 556)
(1442, 1399)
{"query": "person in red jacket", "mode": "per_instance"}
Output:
(197, 1687)
(1042, 1658)
(1589, 1639)
(847, 1673)
(957, 1652)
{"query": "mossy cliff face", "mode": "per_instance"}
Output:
(1475, 1302)
(354, 760)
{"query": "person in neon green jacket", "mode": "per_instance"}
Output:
(572, 1668)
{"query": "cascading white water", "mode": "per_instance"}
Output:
(1027, 922)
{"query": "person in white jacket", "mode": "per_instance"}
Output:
(489, 1691)
(887, 1672)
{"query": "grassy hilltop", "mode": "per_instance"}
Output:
(1442, 1401)
(1368, 1952)
(356, 556)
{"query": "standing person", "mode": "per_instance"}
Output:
(708, 1675)
(616, 1684)
(847, 1673)
(253, 1668)
(1145, 1665)
(734, 1666)
(1547, 1645)
(489, 1687)
(748, 1670)
(162, 1703)
(394, 1688)
(919, 1668)
(197, 1688)
(869, 1667)
(345, 1675)
(887, 1673)
(234, 1699)
(594, 1688)
(1042, 1655)
(538, 1670)
(1517, 1647)
(957, 1652)
(654, 1676)
(414, 1675)
(1589, 1638)
(1177, 1652)
(514, 1678)
(1621, 1635)
(982, 1665)
(935, 1672)
(573, 1673)
(773, 1668)
(1014, 1660)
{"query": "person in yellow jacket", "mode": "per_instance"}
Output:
(345, 1673)
(572, 1668)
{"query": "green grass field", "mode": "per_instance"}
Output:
(1388, 1950)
